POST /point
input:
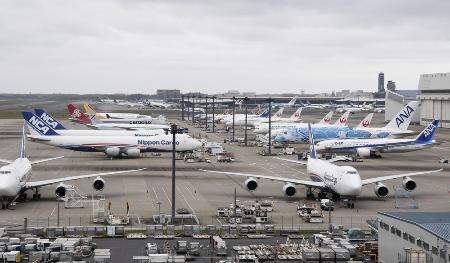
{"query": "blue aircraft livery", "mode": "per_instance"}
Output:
(324, 133)
(403, 115)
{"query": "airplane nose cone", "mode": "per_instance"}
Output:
(196, 144)
(353, 187)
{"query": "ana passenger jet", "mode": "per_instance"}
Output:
(342, 181)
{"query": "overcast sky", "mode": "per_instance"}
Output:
(138, 46)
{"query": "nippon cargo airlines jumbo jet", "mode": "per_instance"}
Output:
(366, 148)
(15, 178)
(343, 181)
(59, 127)
(113, 146)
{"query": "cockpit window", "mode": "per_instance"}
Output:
(5, 172)
(352, 172)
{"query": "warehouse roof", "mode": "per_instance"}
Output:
(437, 223)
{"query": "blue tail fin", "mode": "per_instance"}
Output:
(23, 146)
(37, 125)
(52, 122)
(312, 146)
(265, 114)
(428, 133)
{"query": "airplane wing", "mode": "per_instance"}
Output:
(337, 159)
(46, 160)
(35, 184)
(37, 138)
(5, 161)
(273, 178)
(290, 160)
(390, 177)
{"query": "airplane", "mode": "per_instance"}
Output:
(15, 178)
(263, 128)
(341, 181)
(324, 123)
(229, 117)
(366, 148)
(291, 103)
(379, 109)
(112, 115)
(251, 121)
(158, 104)
(112, 146)
(108, 101)
(59, 127)
(295, 117)
(398, 126)
(309, 105)
(131, 125)
(351, 109)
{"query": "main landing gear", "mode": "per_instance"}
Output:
(36, 194)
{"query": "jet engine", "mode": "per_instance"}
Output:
(133, 152)
(363, 152)
(251, 184)
(409, 184)
(113, 151)
(289, 190)
(381, 190)
(98, 184)
(61, 190)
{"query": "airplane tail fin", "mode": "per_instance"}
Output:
(343, 120)
(36, 125)
(95, 120)
(23, 145)
(402, 120)
(296, 115)
(312, 146)
(279, 113)
(77, 114)
(427, 135)
(45, 116)
(265, 114)
(292, 102)
(327, 118)
(366, 121)
(89, 109)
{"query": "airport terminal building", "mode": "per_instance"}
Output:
(414, 237)
(434, 95)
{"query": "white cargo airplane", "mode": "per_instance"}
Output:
(15, 178)
(113, 146)
(366, 148)
(342, 181)
(295, 117)
(112, 115)
(133, 125)
(57, 126)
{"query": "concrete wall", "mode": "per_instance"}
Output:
(391, 247)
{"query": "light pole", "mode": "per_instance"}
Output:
(182, 107)
(246, 112)
(270, 124)
(234, 105)
(173, 130)
(214, 109)
(206, 112)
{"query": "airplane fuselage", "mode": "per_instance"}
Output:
(343, 180)
(13, 177)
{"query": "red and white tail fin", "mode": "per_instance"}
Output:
(296, 115)
(77, 114)
(343, 120)
(327, 118)
(279, 113)
(366, 121)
